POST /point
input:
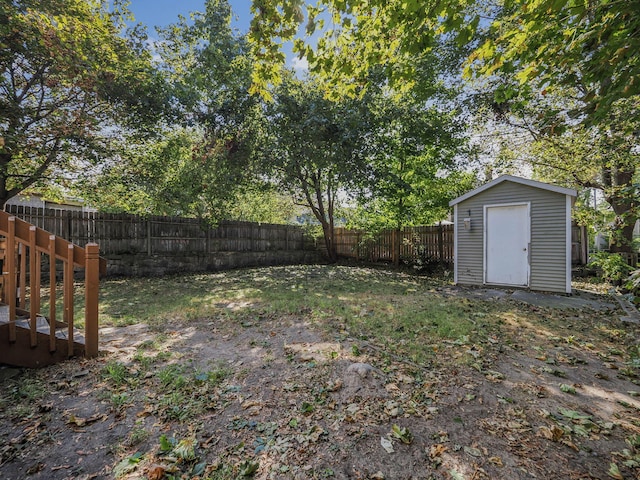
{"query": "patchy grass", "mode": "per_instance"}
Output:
(396, 311)
(387, 308)
(242, 374)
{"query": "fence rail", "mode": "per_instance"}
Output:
(159, 235)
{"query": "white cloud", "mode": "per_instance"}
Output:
(299, 64)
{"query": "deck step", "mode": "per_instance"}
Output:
(42, 325)
(20, 352)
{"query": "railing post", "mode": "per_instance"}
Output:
(34, 284)
(91, 284)
(52, 293)
(68, 297)
(10, 258)
(22, 275)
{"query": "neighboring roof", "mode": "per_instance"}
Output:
(522, 181)
(71, 201)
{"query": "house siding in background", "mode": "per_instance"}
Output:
(35, 200)
(550, 232)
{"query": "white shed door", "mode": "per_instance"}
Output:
(507, 245)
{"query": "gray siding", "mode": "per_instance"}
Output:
(548, 234)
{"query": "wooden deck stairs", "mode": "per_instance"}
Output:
(29, 337)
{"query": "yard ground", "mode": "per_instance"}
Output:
(333, 372)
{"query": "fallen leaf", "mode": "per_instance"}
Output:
(35, 468)
(494, 376)
(567, 388)
(185, 449)
(570, 444)
(572, 414)
(81, 422)
(402, 434)
(456, 475)
(155, 472)
(436, 450)
(127, 465)
(474, 452)
(387, 444)
(553, 433)
(614, 472)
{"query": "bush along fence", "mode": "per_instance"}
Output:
(419, 246)
(158, 245)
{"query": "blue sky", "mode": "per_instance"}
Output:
(163, 12)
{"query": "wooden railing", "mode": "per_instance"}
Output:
(26, 246)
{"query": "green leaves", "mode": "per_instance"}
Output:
(567, 388)
(81, 78)
(560, 42)
(403, 434)
(127, 465)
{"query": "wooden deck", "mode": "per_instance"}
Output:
(28, 336)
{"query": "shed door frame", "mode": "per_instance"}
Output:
(528, 240)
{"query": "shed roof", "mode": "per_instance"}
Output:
(511, 178)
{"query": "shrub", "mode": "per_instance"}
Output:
(633, 285)
(613, 266)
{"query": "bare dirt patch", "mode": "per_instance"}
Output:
(549, 394)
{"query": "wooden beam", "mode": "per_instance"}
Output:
(91, 287)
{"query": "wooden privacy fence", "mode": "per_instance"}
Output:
(424, 244)
(159, 235)
(410, 245)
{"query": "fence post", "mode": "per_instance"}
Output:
(91, 284)
(440, 243)
(396, 247)
(67, 225)
(149, 249)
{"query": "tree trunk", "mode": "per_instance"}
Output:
(327, 230)
(624, 205)
(622, 236)
(5, 159)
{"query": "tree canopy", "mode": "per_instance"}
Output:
(313, 148)
(413, 154)
(590, 48)
(204, 161)
(525, 55)
(71, 78)
(575, 43)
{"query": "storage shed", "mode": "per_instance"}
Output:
(514, 232)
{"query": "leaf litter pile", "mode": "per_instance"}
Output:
(331, 372)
